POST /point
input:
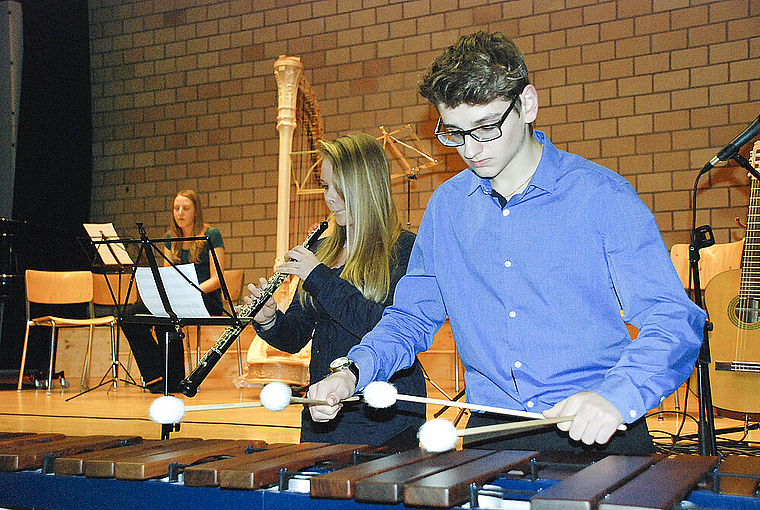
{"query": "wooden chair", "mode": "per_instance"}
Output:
(56, 288)
(234, 280)
(712, 260)
(106, 287)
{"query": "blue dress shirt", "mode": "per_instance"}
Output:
(534, 292)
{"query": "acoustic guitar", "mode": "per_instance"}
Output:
(732, 299)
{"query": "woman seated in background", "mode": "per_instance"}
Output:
(187, 221)
(345, 286)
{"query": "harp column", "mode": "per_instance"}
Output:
(287, 72)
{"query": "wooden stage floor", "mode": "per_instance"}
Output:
(125, 411)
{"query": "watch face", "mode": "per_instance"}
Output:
(339, 363)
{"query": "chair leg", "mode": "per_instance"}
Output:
(188, 355)
(53, 336)
(23, 355)
(129, 370)
(85, 382)
(675, 395)
(198, 346)
(240, 357)
(456, 369)
(129, 358)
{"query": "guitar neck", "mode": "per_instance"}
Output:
(750, 278)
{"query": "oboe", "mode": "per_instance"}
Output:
(189, 385)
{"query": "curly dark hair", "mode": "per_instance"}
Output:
(477, 69)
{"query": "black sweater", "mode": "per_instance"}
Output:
(339, 320)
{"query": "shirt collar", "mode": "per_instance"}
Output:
(546, 174)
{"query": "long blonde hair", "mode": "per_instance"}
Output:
(199, 227)
(361, 176)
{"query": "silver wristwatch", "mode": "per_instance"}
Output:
(344, 363)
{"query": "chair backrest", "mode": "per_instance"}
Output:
(102, 295)
(712, 260)
(234, 280)
(58, 287)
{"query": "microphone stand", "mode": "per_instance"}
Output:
(702, 237)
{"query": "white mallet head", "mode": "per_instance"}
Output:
(438, 435)
(380, 395)
(275, 396)
(167, 409)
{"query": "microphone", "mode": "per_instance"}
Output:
(730, 150)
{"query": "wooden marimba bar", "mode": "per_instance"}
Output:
(126, 472)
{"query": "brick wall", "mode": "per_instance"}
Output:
(184, 96)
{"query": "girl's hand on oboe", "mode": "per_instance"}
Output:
(299, 261)
(266, 315)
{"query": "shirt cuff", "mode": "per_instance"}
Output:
(366, 366)
(622, 394)
(267, 333)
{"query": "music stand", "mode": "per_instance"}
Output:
(114, 259)
(148, 248)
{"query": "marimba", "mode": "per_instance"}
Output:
(126, 472)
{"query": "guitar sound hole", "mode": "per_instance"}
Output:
(746, 312)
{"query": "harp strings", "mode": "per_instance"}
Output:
(307, 202)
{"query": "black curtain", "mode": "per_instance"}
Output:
(53, 178)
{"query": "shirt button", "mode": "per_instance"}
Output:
(505, 212)
(632, 413)
(513, 314)
(530, 403)
(507, 263)
(518, 364)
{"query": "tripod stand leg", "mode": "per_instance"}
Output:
(115, 355)
(113, 369)
(104, 380)
(434, 384)
(445, 408)
(131, 379)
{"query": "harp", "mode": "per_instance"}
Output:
(299, 207)
(299, 124)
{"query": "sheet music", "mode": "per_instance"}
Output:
(110, 253)
(185, 301)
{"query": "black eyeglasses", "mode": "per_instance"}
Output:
(480, 134)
